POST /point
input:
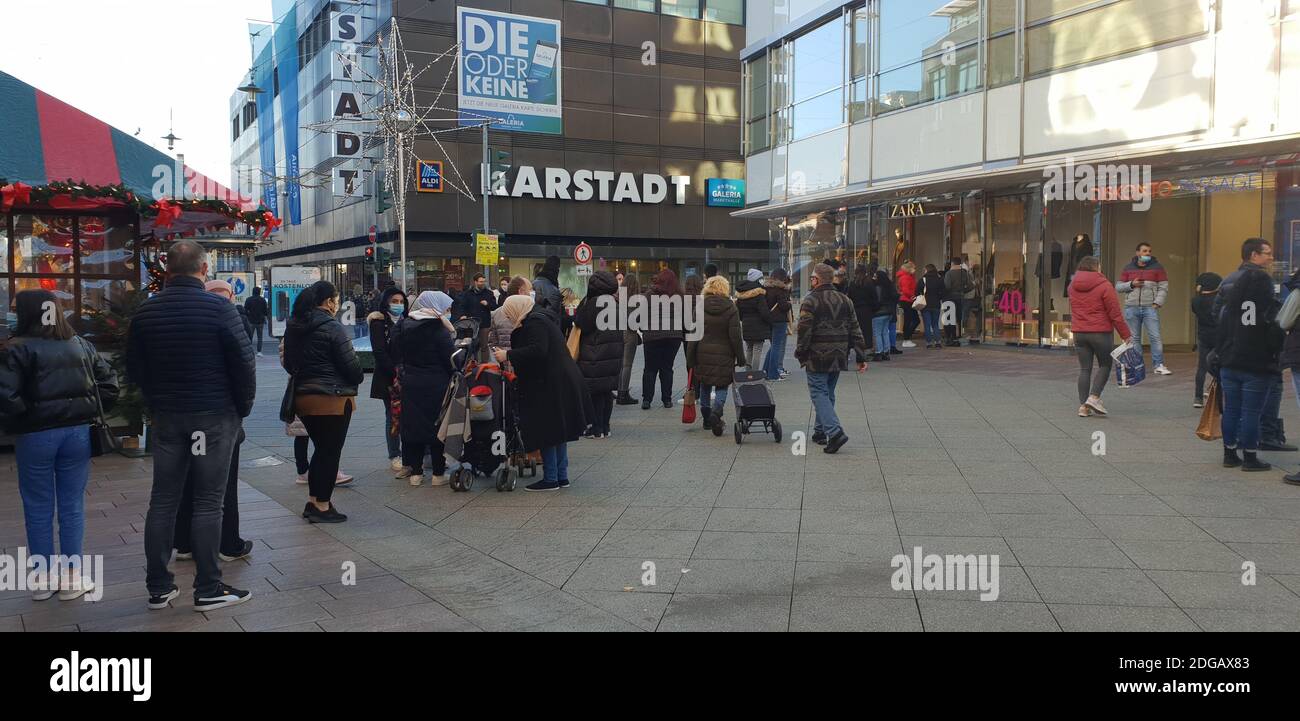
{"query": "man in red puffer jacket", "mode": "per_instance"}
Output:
(1095, 315)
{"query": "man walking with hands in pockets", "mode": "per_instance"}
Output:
(828, 327)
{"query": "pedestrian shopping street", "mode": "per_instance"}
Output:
(959, 451)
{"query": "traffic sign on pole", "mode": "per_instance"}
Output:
(582, 254)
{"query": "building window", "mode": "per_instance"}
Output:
(819, 60)
(250, 114)
(1116, 28)
(594, 2)
(1003, 48)
(731, 12)
(756, 106)
(646, 6)
(680, 8)
(943, 35)
(234, 128)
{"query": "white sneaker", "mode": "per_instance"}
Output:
(1163, 371)
(259, 354)
(908, 344)
(395, 464)
(302, 479)
(415, 480)
(74, 587)
(47, 593)
(402, 472)
(342, 479)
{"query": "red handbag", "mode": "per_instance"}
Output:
(688, 401)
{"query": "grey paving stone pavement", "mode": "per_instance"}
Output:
(970, 452)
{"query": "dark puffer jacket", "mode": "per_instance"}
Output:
(319, 353)
(778, 299)
(1253, 348)
(714, 357)
(1291, 350)
(547, 296)
(47, 383)
(423, 348)
(188, 352)
(755, 311)
(600, 352)
(381, 327)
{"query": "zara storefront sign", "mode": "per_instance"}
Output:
(606, 185)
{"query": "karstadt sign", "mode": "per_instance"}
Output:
(582, 185)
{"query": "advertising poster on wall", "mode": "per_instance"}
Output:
(509, 71)
(241, 283)
(287, 281)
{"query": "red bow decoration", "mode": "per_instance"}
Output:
(168, 213)
(20, 193)
(270, 224)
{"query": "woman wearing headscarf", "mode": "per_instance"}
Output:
(600, 351)
(392, 306)
(661, 344)
(553, 404)
(499, 332)
(421, 346)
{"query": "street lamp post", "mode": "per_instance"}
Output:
(402, 122)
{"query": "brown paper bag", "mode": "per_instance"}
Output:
(1211, 426)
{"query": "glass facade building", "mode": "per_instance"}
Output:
(928, 130)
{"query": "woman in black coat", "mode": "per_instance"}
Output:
(755, 316)
(392, 306)
(934, 292)
(862, 291)
(886, 308)
(553, 401)
(318, 354)
(421, 347)
(600, 352)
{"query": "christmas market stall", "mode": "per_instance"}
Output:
(86, 212)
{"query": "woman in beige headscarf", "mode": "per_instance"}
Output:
(554, 406)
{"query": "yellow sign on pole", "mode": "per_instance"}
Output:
(486, 249)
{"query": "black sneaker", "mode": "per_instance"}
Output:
(1277, 446)
(819, 438)
(835, 444)
(543, 485)
(895, 351)
(315, 515)
(645, 405)
(626, 401)
(1293, 479)
(245, 550)
(564, 482)
(225, 596)
(668, 404)
(161, 601)
(589, 434)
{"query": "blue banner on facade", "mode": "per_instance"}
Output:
(725, 193)
(286, 63)
(264, 78)
(509, 71)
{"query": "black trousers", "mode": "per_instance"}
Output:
(231, 543)
(328, 434)
(257, 330)
(1202, 364)
(911, 320)
(300, 458)
(659, 358)
(413, 455)
(603, 403)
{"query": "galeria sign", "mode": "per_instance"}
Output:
(560, 184)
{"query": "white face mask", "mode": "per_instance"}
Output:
(532, 294)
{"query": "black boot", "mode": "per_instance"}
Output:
(1252, 463)
(705, 412)
(626, 399)
(1230, 458)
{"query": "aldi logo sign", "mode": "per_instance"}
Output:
(430, 176)
(725, 193)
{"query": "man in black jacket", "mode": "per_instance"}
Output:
(188, 352)
(1249, 345)
(256, 310)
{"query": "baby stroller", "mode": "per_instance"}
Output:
(754, 405)
(480, 424)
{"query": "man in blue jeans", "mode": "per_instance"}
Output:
(828, 328)
(1145, 287)
(1249, 349)
(192, 359)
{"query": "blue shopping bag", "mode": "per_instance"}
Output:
(1129, 368)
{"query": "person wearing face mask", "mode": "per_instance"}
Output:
(421, 346)
(393, 307)
(1146, 287)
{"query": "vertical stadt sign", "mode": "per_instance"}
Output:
(509, 71)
